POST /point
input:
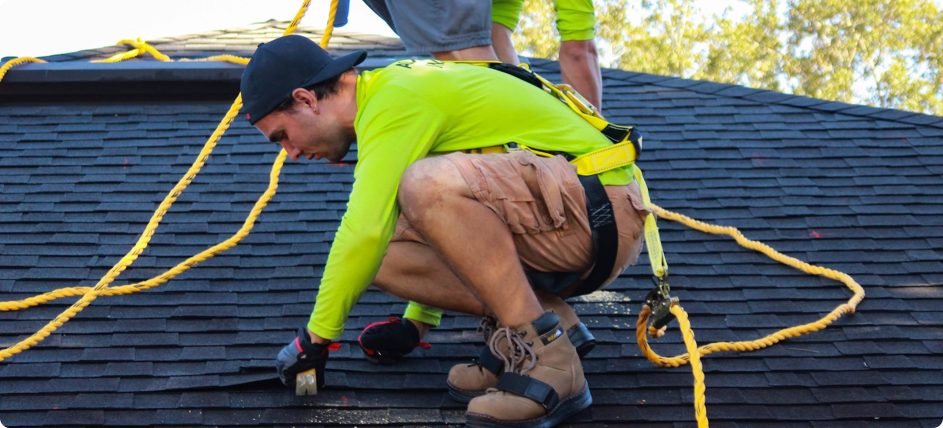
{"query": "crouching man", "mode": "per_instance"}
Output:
(432, 219)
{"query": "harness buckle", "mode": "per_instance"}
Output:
(660, 302)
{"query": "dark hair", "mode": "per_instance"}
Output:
(321, 90)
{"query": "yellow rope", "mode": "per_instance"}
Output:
(700, 391)
(140, 47)
(221, 58)
(232, 241)
(695, 353)
(15, 62)
(90, 294)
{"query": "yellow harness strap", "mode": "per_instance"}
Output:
(623, 152)
(656, 255)
(592, 163)
(605, 159)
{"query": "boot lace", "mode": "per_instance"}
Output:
(520, 357)
(487, 326)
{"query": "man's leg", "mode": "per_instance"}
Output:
(413, 271)
(478, 245)
(469, 237)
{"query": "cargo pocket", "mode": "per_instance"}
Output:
(531, 197)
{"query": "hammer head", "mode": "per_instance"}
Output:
(306, 383)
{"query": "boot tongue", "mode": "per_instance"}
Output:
(547, 327)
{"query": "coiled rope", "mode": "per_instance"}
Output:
(89, 294)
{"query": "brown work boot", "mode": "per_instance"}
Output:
(579, 335)
(469, 380)
(542, 384)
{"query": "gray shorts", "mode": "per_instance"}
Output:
(427, 26)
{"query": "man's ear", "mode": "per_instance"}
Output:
(305, 96)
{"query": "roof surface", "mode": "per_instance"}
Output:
(242, 41)
(854, 188)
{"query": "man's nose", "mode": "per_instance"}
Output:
(293, 153)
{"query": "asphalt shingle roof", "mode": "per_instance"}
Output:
(853, 188)
(242, 42)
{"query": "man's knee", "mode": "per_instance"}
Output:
(428, 181)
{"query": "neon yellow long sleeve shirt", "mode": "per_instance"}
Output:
(413, 109)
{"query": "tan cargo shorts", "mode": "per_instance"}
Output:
(544, 205)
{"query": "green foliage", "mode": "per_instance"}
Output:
(887, 53)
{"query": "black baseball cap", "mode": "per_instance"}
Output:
(286, 63)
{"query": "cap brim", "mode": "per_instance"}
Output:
(338, 66)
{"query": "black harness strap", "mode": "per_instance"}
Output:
(602, 221)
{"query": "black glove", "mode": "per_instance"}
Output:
(300, 355)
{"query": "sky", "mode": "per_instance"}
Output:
(45, 27)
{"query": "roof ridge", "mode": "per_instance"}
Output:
(767, 96)
(254, 27)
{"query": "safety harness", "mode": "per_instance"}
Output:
(627, 144)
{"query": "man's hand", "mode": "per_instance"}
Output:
(300, 355)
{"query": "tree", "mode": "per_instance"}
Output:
(889, 48)
(885, 53)
(746, 52)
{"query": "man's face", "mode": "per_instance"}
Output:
(306, 130)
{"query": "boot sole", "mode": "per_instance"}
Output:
(461, 395)
(580, 337)
(554, 417)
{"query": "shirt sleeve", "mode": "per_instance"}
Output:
(395, 129)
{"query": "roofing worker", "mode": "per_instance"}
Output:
(462, 30)
(576, 23)
(452, 30)
(429, 222)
